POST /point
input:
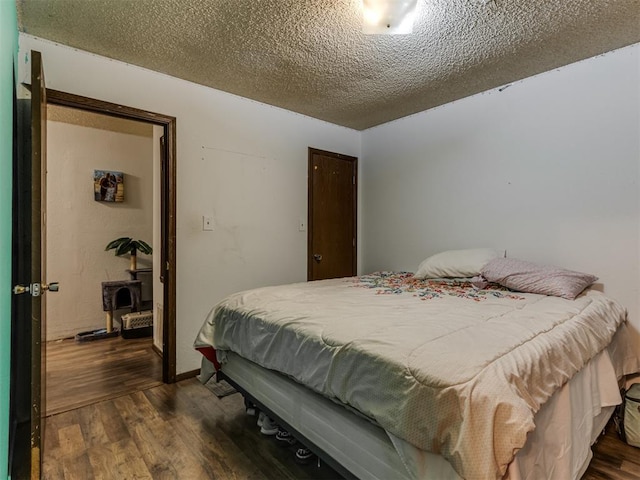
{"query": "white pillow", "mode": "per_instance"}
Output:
(456, 263)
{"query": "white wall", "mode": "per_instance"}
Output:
(79, 228)
(547, 169)
(222, 141)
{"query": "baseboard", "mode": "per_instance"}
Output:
(157, 350)
(186, 375)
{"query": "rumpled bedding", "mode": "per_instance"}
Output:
(448, 367)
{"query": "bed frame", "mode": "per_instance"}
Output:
(356, 449)
(250, 400)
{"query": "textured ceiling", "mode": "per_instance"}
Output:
(309, 56)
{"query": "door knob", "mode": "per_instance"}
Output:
(20, 289)
(317, 257)
(52, 287)
(35, 288)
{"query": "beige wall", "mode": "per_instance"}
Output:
(78, 227)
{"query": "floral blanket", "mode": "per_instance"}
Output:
(395, 283)
(447, 367)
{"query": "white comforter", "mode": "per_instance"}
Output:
(447, 368)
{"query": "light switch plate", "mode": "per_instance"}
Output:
(302, 224)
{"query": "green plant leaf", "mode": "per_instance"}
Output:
(125, 245)
(144, 247)
(116, 243)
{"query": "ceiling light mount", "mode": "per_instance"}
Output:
(390, 17)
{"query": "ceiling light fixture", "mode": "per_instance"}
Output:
(391, 17)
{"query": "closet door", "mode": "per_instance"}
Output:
(332, 221)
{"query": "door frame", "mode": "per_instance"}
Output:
(310, 194)
(168, 214)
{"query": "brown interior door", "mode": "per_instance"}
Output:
(38, 272)
(28, 308)
(332, 214)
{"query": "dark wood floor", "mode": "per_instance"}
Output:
(179, 431)
(183, 431)
(82, 373)
(613, 459)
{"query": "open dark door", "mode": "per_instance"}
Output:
(331, 245)
(28, 318)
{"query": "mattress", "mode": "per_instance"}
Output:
(441, 366)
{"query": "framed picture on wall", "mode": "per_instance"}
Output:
(108, 186)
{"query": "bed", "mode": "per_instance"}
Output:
(392, 376)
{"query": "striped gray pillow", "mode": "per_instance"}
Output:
(530, 277)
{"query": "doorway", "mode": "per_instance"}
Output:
(332, 210)
(28, 396)
(85, 363)
(167, 211)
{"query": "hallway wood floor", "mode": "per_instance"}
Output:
(82, 373)
(183, 431)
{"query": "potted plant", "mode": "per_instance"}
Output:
(128, 245)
